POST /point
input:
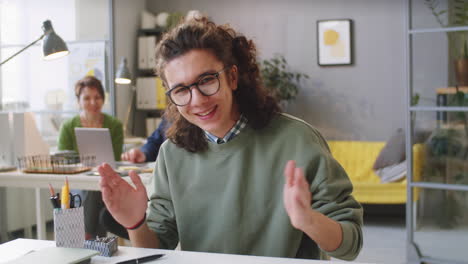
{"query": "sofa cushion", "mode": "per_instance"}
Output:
(357, 157)
(393, 152)
(392, 173)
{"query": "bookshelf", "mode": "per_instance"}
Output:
(151, 98)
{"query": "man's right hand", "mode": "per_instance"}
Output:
(126, 203)
(134, 155)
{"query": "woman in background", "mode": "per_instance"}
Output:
(90, 95)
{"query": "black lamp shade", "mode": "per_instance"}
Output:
(53, 46)
(123, 75)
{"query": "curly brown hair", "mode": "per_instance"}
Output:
(91, 82)
(230, 48)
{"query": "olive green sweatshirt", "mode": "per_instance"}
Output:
(229, 199)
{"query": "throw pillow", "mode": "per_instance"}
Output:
(393, 152)
(392, 173)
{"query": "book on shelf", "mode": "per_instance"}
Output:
(152, 123)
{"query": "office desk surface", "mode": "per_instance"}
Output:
(19, 247)
(41, 180)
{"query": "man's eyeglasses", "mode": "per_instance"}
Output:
(207, 85)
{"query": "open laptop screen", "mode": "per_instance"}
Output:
(95, 142)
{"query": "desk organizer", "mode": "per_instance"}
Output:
(69, 164)
(106, 246)
(69, 227)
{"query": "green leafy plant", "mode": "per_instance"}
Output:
(415, 99)
(279, 80)
(461, 99)
(173, 19)
(457, 15)
(447, 162)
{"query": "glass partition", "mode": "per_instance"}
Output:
(441, 224)
(437, 219)
(443, 137)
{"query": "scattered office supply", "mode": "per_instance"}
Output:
(106, 246)
(126, 166)
(138, 168)
(141, 260)
(95, 142)
(55, 164)
(5, 168)
(54, 198)
(56, 255)
(65, 202)
(123, 163)
(124, 170)
(51, 190)
(73, 200)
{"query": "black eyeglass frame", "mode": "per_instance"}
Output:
(216, 74)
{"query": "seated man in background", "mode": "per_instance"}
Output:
(149, 151)
(90, 95)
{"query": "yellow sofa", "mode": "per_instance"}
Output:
(358, 157)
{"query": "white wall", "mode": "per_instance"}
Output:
(126, 25)
(92, 19)
(363, 101)
(92, 23)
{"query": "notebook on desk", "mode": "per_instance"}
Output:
(56, 255)
(95, 142)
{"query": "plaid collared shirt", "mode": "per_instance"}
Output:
(235, 130)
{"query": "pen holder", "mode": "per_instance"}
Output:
(106, 246)
(69, 227)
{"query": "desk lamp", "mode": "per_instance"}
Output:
(123, 76)
(53, 46)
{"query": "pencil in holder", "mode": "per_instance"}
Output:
(69, 227)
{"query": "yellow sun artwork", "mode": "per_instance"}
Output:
(334, 42)
(330, 37)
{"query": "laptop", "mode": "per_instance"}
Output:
(95, 142)
(56, 255)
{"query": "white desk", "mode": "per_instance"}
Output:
(19, 247)
(38, 181)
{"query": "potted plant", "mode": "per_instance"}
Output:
(279, 80)
(168, 20)
(456, 15)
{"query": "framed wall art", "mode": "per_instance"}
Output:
(334, 42)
